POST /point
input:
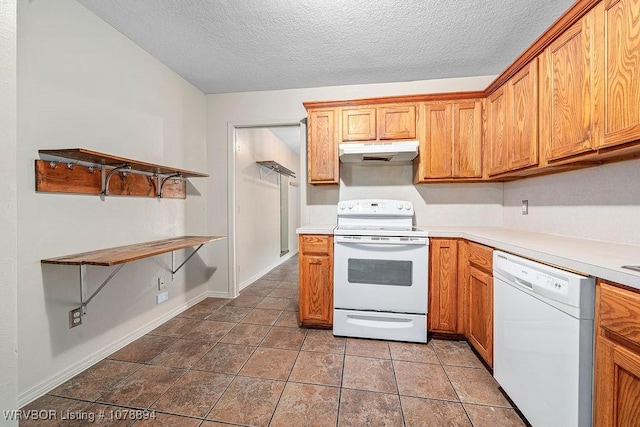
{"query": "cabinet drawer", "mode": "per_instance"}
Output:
(620, 311)
(316, 244)
(480, 256)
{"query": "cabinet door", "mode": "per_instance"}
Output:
(523, 118)
(569, 93)
(480, 313)
(443, 286)
(617, 357)
(497, 132)
(316, 290)
(437, 141)
(463, 280)
(323, 147)
(316, 281)
(359, 124)
(467, 140)
(397, 122)
(617, 385)
(621, 77)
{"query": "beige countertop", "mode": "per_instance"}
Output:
(590, 257)
(316, 229)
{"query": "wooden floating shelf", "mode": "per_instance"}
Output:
(84, 155)
(104, 174)
(123, 254)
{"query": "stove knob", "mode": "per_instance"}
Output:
(407, 206)
(350, 205)
(342, 206)
(399, 206)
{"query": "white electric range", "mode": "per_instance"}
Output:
(380, 271)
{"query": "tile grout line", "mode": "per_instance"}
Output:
(344, 361)
(452, 386)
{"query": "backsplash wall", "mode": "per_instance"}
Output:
(435, 204)
(599, 203)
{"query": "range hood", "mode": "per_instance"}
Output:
(390, 151)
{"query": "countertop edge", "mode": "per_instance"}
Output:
(316, 229)
(568, 263)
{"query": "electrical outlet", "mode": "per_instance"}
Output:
(75, 317)
(160, 298)
(162, 283)
(525, 207)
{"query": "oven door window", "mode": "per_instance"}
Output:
(380, 272)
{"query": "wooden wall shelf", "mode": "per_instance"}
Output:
(119, 256)
(117, 175)
(122, 254)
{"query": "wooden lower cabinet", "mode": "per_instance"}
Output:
(617, 357)
(480, 313)
(445, 311)
(461, 293)
(316, 281)
(475, 271)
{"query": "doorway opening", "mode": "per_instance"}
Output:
(266, 201)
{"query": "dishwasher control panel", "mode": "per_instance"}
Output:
(552, 283)
(560, 288)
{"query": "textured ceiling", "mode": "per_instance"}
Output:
(249, 45)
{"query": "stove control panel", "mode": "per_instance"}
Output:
(375, 207)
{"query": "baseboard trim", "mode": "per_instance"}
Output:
(68, 373)
(263, 272)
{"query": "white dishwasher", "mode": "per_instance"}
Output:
(543, 340)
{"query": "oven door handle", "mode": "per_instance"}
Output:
(370, 240)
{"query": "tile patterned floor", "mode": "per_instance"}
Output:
(246, 362)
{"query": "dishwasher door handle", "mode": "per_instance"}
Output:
(523, 283)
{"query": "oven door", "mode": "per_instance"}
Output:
(381, 273)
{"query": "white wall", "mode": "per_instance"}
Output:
(600, 203)
(278, 106)
(434, 204)
(258, 202)
(83, 84)
(8, 211)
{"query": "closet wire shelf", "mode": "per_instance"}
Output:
(275, 167)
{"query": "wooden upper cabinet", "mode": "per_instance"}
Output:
(512, 123)
(397, 121)
(621, 71)
(322, 153)
(437, 144)
(385, 122)
(358, 124)
(569, 91)
(467, 139)
(523, 120)
(497, 132)
(450, 136)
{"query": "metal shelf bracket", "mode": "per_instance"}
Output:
(124, 168)
(161, 182)
(84, 301)
(173, 261)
